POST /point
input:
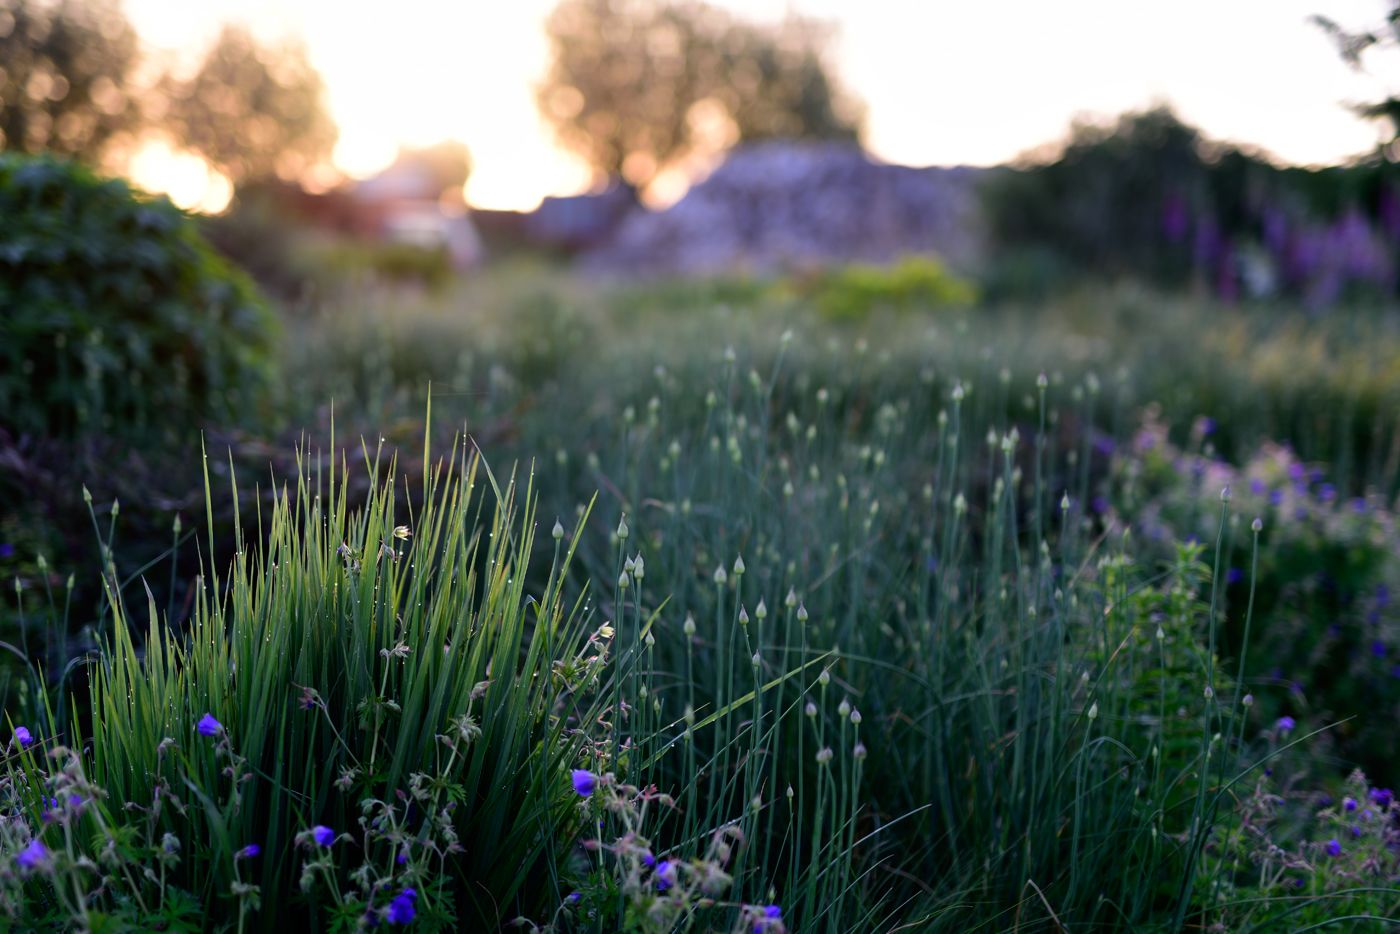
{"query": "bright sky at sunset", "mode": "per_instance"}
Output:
(945, 81)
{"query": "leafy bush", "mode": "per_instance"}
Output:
(117, 316)
(914, 282)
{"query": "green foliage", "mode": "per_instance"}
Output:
(849, 293)
(118, 317)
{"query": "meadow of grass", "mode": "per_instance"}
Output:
(684, 608)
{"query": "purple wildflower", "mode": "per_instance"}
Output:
(1234, 576)
(1275, 497)
(1328, 492)
(208, 726)
(1378, 649)
(771, 919)
(248, 852)
(1382, 796)
(1334, 848)
(1358, 505)
(1382, 595)
(665, 874)
(401, 910)
(23, 736)
(1355, 831)
(1349, 804)
(1285, 724)
(573, 898)
(323, 835)
(1256, 486)
(584, 782)
(31, 856)
(648, 859)
(7, 549)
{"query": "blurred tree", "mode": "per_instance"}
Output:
(63, 76)
(635, 87)
(1351, 46)
(252, 111)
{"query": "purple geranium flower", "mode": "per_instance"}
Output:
(208, 726)
(1328, 492)
(248, 852)
(772, 917)
(401, 910)
(23, 736)
(1378, 649)
(323, 835)
(665, 874)
(1349, 804)
(1285, 724)
(584, 782)
(572, 899)
(1334, 848)
(31, 856)
(1382, 796)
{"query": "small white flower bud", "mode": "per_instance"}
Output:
(824, 678)
(743, 616)
(761, 612)
(1247, 700)
(844, 709)
(688, 627)
(1225, 495)
(1257, 525)
(721, 576)
(791, 600)
(628, 565)
(824, 755)
(1064, 502)
(810, 710)
(622, 527)
(789, 792)
(757, 660)
(1041, 382)
(639, 570)
(1093, 710)
(1209, 692)
(801, 613)
(623, 580)
(959, 504)
(739, 565)
(958, 393)
(855, 717)
(558, 532)
(650, 640)
(859, 752)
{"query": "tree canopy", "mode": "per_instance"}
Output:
(634, 88)
(64, 70)
(253, 111)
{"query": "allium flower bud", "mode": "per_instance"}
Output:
(650, 640)
(801, 613)
(959, 504)
(558, 532)
(824, 755)
(958, 393)
(623, 580)
(87, 497)
(810, 710)
(845, 708)
(1064, 502)
(859, 752)
(1225, 495)
(639, 568)
(855, 717)
(757, 803)
(1041, 382)
(824, 678)
(622, 527)
(789, 792)
(688, 627)
(1247, 700)
(757, 660)
(791, 600)
(1093, 710)
(628, 565)
(739, 565)
(761, 611)
(743, 616)
(1257, 525)
(721, 576)
(1210, 692)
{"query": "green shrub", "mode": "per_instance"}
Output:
(115, 315)
(915, 281)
